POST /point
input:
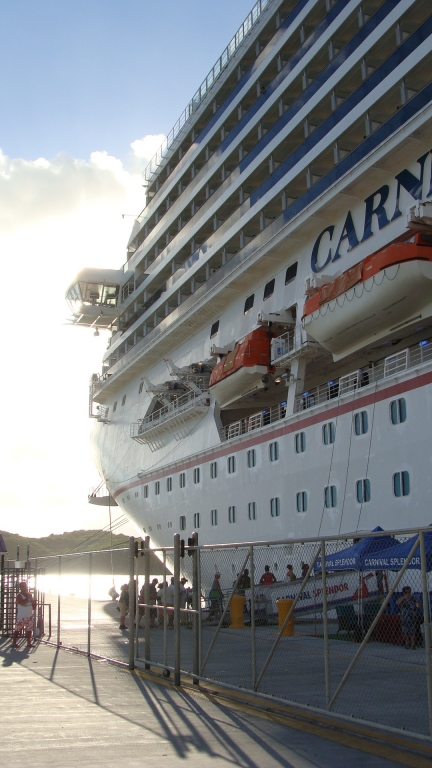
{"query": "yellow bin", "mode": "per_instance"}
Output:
(237, 612)
(283, 607)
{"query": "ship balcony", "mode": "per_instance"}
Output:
(177, 417)
(254, 422)
(101, 496)
(292, 344)
(93, 297)
(412, 357)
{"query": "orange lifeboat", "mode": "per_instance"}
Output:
(241, 371)
(385, 291)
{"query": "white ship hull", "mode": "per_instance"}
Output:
(283, 176)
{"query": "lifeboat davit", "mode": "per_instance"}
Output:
(382, 294)
(244, 370)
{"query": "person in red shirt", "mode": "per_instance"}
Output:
(268, 577)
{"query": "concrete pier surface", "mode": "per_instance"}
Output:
(59, 708)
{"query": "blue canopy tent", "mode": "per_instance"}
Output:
(393, 558)
(353, 558)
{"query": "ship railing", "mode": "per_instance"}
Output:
(179, 405)
(256, 421)
(207, 84)
(412, 357)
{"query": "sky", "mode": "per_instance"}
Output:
(88, 90)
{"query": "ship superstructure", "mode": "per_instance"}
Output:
(269, 371)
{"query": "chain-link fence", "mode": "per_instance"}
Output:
(339, 625)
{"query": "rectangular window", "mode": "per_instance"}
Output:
(291, 273)
(300, 442)
(213, 470)
(145, 491)
(169, 483)
(269, 289)
(249, 303)
(231, 514)
(157, 488)
(274, 451)
(140, 388)
(328, 433)
(302, 501)
(252, 509)
(398, 411)
(196, 519)
(123, 399)
(401, 484)
(182, 479)
(213, 516)
(182, 523)
(275, 507)
(231, 465)
(196, 475)
(214, 329)
(251, 458)
(330, 496)
(361, 425)
(363, 493)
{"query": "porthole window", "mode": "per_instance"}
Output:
(123, 399)
(252, 510)
(361, 423)
(300, 442)
(291, 273)
(231, 464)
(398, 411)
(196, 475)
(232, 514)
(196, 519)
(145, 491)
(182, 522)
(249, 303)
(214, 329)
(157, 488)
(269, 289)
(169, 484)
(275, 506)
(274, 451)
(330, 496)
(140, 388)
(401, 484)
(363, 493)
(251, 458)
(213, 470)
(115, 406)
(214, 516)
(302, 501)
(328, 433)
(182, 479)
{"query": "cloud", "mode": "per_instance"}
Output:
(56, 216)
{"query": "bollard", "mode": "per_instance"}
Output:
(237, 612)
(283, 607)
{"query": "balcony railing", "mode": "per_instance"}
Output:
(214, 74)
(290, 344)
(256, 421)
(180, 406)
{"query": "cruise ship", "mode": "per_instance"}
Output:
(269, 368)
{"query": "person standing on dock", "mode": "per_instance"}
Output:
(26, 604)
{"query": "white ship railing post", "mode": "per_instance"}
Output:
(426, 625)
(147, 555)
(326, 628)
(59, 600)
(132, 601)
(176, 609)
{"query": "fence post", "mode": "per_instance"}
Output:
(176, 609)
(196, 596)
(252, 614)
(132, 601)
(36, 610)
(89, 606)
(58, 600)
(325, 621)
(147, 556)
(426, 624)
